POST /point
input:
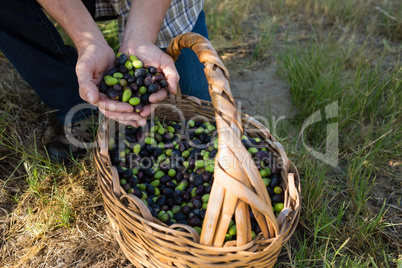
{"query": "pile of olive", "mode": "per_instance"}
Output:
(170, 167)
(129, 81)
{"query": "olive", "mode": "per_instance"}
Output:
(163, 83)
(171, 184)
(128, 174)
(145, 98)
(148, 81)
(194, 222)
(138, 108)
(153, 88)
(270, 191)
(161, 200)
(157, 78)
(208, 189)
(200, 190)
(112, 71)
(152, 70)
(178, 200)
(262, 155)
(123, 69)
(185, 210)
(102, 87)
(278, 198)
(122, 58)
(274, 181)
(179, 216)
(140, 73)
(197, 203)
(134, 87)
(168, 192)
(140, 81)
(112, 94)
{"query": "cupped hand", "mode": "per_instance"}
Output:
(151, 55)
(95, 58)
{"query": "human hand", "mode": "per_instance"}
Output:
(94, 60)
(151, 55)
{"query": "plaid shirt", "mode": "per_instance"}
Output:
(180, 18)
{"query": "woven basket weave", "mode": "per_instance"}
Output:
(237, 186)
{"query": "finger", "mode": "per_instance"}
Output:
(158, 96)
(114, 106)
(87, 88)
(171, 75)
(125, 117)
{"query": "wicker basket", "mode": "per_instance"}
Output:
(237, 186)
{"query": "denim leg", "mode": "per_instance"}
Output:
(192, 77)
(33, 45)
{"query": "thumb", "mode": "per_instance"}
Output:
(89, 92)
(87, 87)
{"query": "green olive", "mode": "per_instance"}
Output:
(134, 101)
(126, 95)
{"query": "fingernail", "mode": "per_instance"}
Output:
(90, 98)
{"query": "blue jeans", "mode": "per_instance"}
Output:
(34, 46)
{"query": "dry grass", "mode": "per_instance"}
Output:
(52, 215)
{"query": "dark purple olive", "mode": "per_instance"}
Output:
(165, 208)
(148, 81)
(153, 88)
(161, 200)
(126, 76)
(278, 198)
(275, 181)
(102, 87)
(208, 188)
(186, 196)
(128, 173)
(163, 83)
(193, 222)
(170, 201)
(165, 179)
(140, 81)
(140, 73)
(137, 193)
(140, 175)
(123, 69)
(179, 216)
(122, 58)
(185, 210)
(206, 176)
(112, 94)
(138, 108)
(168, 192)
(262, 155)
(171, 184)
(176, 193)
(126, 187)
(198, 180)
(145, 98)
(270, 191)
(197, 204)
(178, 200)
(134, 87)
(112, 71)
(156, 208)
(157, 78)
(275, 169)
(200, 190)
(152, 70)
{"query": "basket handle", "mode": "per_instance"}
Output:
(249, 188)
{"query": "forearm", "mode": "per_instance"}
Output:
(75, 20)
(145, 20)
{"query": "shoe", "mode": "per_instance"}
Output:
(61, 149)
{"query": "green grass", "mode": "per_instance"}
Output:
(342, 52)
